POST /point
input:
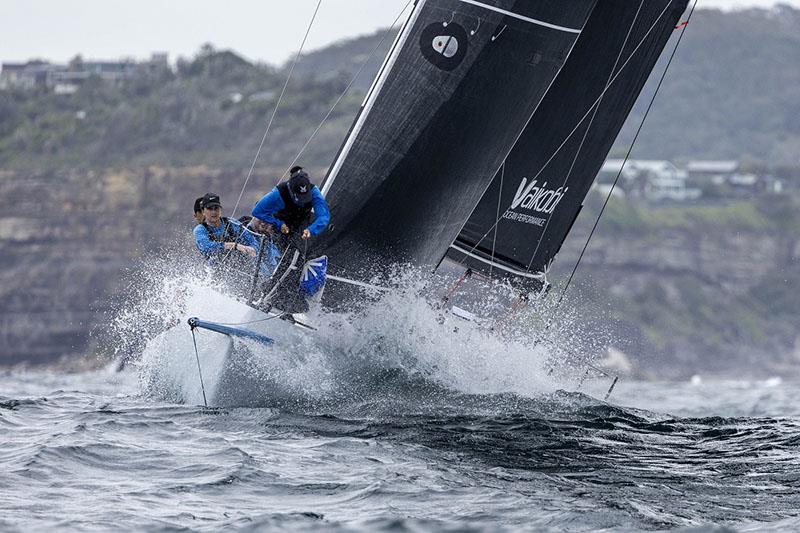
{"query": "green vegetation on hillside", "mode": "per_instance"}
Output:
(210, 110)
(733, 91)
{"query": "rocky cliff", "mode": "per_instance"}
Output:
(701, 288)
(70, 240)
(681, 289)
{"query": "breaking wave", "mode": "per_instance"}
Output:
(398, 345)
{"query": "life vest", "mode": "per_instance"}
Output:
(297, 217)
(229, 235)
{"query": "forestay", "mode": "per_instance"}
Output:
(527, 212)
(457, 89)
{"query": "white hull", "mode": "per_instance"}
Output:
(170, 366)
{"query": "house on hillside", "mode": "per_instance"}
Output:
(725, 178)
(652, 180)
(113, 71)
(68, 80)
(749, 184)
(27, 76)
(65, 79)
(705, 172)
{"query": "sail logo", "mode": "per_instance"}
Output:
(539, 199)
(444, 44)
(447, 45)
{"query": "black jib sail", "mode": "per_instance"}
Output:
(458, 87)
(527, 212)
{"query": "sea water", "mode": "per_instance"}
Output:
(397, 420)
(92, 451)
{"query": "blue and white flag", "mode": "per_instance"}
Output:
(313, 276)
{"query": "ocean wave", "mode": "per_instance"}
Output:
(439, 459)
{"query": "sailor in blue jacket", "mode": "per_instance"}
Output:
(288, 207)
(217, 234)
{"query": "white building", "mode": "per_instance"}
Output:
(716, 172)
(650, 179)
(728, 178)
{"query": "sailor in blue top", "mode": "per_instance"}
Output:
(297, 209)
(217, 234)
(288, 206)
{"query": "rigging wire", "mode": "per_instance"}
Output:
(199, 371)
(248, 322)
(608, 197)
(579, 122)
(497, 214)
(591, 121)
(277, 105)
(346, 89)
(627, 155)
(324, 120)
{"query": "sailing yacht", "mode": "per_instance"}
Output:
(476, 144)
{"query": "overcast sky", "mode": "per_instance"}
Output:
(264, 30)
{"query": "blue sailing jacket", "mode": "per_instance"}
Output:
(272, 203)
(214, 251)
(211, 248)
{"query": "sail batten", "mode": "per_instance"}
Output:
(492, 263)
(521, 17)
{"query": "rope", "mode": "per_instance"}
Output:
(346, 90)
(199, 371)
(227, 253)
(358, 283)
(275, 109)
(256, 270)
(497, 215)
(319, 126)
(464, 277)
(277, 284)
(627, 155)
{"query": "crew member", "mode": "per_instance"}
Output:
(217, 235)
(295, 208)
(198, 210)
(288, 207)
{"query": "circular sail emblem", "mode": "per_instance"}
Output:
(444, 46)
(447, 45)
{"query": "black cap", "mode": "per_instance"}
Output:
(300, 186)
(295, 169)
(211, 200)
(198, 204)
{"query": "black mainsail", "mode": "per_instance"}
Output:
(529, 208)
(461, 82)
